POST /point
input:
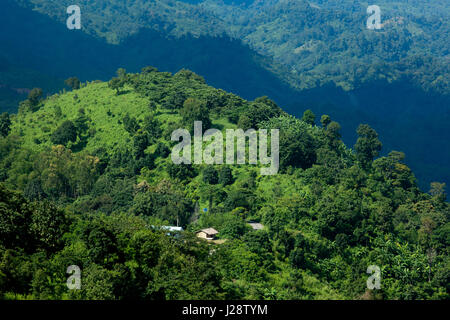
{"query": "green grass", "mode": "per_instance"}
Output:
(97, 100)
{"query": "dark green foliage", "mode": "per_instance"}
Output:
(162, 150)
(48, 225)
(15, 219)
(189, 75)
(367, 146)
(122, 193)
(333, 134)
(258, 242)
(297, 145)
(119, 82)
(101, 242)
(33, 101)
(98, 283)
(5, 124)
(297, 149)
(81, 123)
(152, 126)
(35, 96)
(30, 225)
(167, 206)
(234, 228)
(225, 175)
(141, 142)
(122, 74)
(73, 82)
(180, 171)
(195, 110)
(394, 170)
(130, 124)
(309, 117)
(297, 258)
(210, 175)
(33, 190)
(239, 198)
(437, 190)
(325, 120)
(174, 100)
(262, 109)
(341, 241)
(66, 132)
(116, 84)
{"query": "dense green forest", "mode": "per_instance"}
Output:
(311, 44)
(315, 55)
(87, 180)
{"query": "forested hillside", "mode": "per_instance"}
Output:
(314, 44)
(46, 55)
(87, 179)
(302, 54)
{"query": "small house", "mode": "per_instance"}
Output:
(208, 234)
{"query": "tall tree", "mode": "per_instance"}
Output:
(367, 146)
(35, 95)
(225, 175)
(66, 132)
(73, 83)
(116, 84)
(195, 110)
(121, 73)
(437, 190)
(210, 175)
(309, 117)
(333, 133)
(325, 120)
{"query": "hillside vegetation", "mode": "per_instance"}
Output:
(87, 180)
(312, 43)
(316, 55)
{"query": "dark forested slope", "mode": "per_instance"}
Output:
(396, 78)
(40, 52)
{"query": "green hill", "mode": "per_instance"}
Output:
(95, 181)
(315, 55)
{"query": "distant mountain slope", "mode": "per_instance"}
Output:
(38, 43)
(330, 43)
(315, 44)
